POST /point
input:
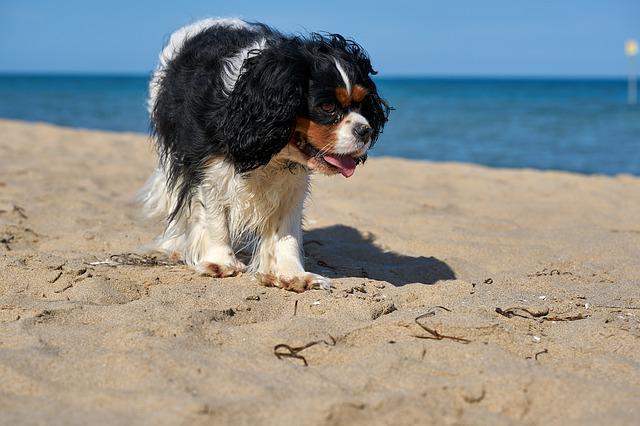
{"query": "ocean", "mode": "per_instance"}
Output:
(575, 125)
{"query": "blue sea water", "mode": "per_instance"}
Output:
(576, 125)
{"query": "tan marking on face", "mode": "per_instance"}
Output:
(321, 136)
(343, 96)
(358, 93)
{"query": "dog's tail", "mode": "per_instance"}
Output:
(155, 196)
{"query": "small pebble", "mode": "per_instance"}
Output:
(538, 311)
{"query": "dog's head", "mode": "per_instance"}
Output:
(311, 101)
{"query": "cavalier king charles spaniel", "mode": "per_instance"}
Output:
(241, 115)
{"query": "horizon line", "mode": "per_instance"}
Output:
(390, 76)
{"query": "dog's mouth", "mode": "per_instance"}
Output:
(327, 162)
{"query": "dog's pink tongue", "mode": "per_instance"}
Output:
(345, 164)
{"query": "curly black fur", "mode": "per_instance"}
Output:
(194, 120)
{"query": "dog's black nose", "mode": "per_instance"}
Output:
(362, 131)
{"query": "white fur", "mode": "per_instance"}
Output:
(175, 43)
(347, 143)
(343, 74)
(233, 65)
(229, 212)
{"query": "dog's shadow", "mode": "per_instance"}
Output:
(341, 251)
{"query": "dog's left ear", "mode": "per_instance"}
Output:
(376, 110)
(260, 115)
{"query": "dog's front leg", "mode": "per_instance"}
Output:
(281, 255)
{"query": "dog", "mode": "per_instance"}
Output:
(241, 115)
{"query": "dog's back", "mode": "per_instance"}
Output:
(210, 42)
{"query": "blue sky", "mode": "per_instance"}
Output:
(454, 37)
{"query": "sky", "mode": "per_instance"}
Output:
(571, 38)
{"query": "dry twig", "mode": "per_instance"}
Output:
(294, 351)
(132, 259)
(434, 334)
(617, 307)
(66, 287)
(544, 351)
(56, 278)
(517, 312)
(541, 314)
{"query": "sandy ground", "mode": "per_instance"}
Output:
(557, 253)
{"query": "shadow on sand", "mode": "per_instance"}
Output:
(341, 251)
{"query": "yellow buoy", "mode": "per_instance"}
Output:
(631, 47)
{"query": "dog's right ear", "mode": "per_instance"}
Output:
(260, 114)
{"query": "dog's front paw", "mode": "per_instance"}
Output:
(221, 270)
(297, 283)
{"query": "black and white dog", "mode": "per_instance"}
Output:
(241, 115)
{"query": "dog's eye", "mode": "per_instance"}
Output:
(328, 107)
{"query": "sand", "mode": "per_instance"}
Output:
(109, 343)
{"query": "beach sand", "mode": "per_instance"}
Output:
(557, 253)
